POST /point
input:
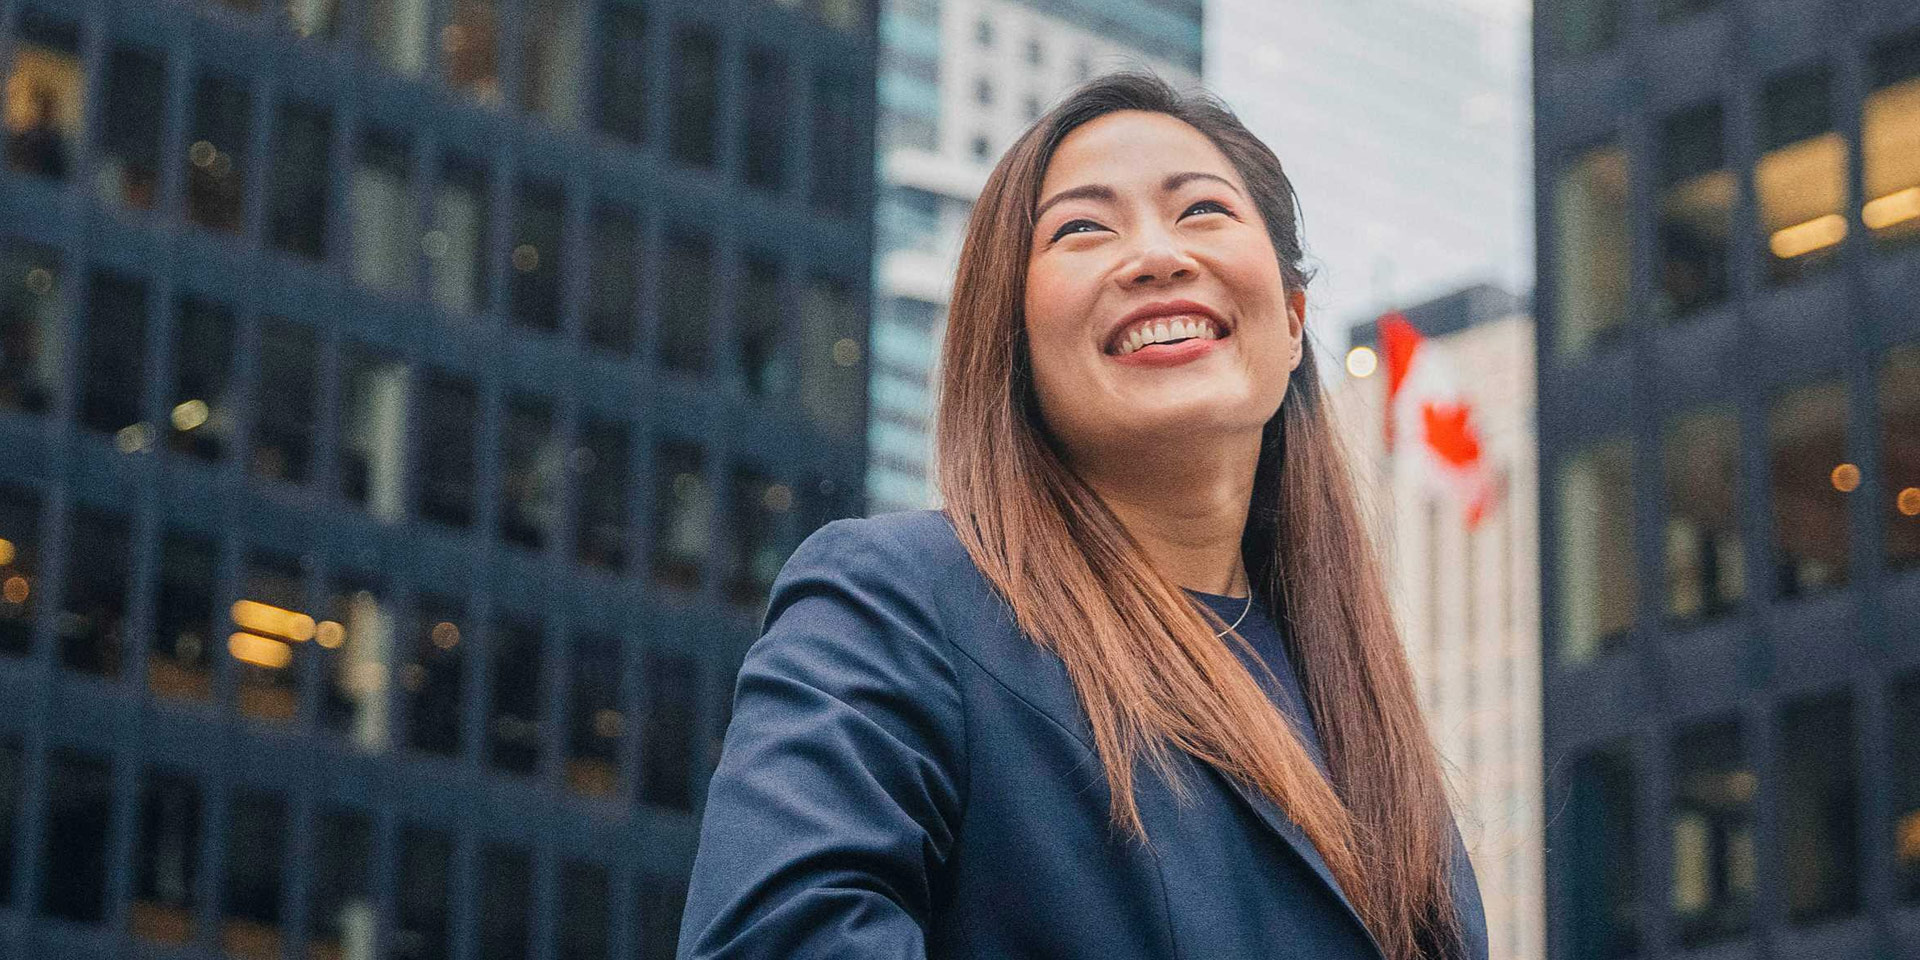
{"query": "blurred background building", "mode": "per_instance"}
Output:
(1729, 370)
(959, 80)
(405, 406)
(1467, 592)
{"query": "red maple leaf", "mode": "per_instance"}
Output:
(1450, 433)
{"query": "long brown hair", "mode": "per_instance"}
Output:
(1146, 663)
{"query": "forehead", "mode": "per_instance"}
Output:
(1133, 149)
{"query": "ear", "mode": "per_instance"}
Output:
(1296, 325)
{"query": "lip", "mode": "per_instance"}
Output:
(1169, 355)
(1168, 308)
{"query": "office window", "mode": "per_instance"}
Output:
(613, 279)
(1900, 453)
(1030, 108)
(217, 141)
(506, 928)
(19, 568)
(1597, 576)
(1706, 564)
(1812, 478)
(12, 772)
(1890, 142)
(32, 300)
(766, 118)
(983, 33)
(201, 409)
(319, 19)
(180, 662)
(1904, 742)
(380, 213)
(686, 304)
(833, 379)
(1712, 834)
(431, 677)
(373, 423)
(1584, 27)
(756, 326)
(285, 403)
(1695, 211)
(113, 354)
(696, 98)
(449, 418)
(670, 683)
(93, 615)
(421, 924)
(1819, 809)
(132, 110)
(273, 631)
(250, 892)
(531, 467)
(756, 519)
(1591, 251)
(622, 62)
(45, 97)
(846, 16)
(456, 247)
(840, 158)
(79, 815)
(533, 283)
(1600, 863)
(470, 49)
(297, 200)
(166, 858)
(596, 720)
(663, 899)
(1035, 53)
(983, 91)
(982, 148)
(553, 35)
(354, 698)
(584, 914)
(396, 34)
(341, 922)
(514, 718)
(682, 514)
(601, 464)
(1800, 181)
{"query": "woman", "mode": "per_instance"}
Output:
(1136, 692)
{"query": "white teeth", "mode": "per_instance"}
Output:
(1164, 330)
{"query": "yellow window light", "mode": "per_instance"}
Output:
(190, 414)
(15, 590)
(1846, 478)
(272, 621)
(259, 651)
(1804, 238)
(7, 552)
(329, 634)
(1897, 207)
(1908, 502)
(1362, 361)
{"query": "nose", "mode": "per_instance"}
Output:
(1160, 260)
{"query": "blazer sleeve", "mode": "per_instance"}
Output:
(840, 780)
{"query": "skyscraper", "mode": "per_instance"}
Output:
(1729, 369)
(959, 80)
(404, 407)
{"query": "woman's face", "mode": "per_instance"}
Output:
(1155, 308)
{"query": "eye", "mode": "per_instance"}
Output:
(1208, 206)
(1075, 226)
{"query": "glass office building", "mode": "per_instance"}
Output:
(404, 407)
(1729, 370)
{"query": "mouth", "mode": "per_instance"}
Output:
(1164, 328)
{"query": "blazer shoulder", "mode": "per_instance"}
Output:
(913, 547)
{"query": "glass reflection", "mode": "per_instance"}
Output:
(20, 583)
(1597, 575)
(1712, 832)
(1900, 453)
(1800, 180)
(133, 110)
(31, 304)
(1695, 210)
(373, 420)
(1812, 478)
(217, 160)
(1819, 809)
(1591, 261)
(1706, 566)
(380, 212)
(1890, 142)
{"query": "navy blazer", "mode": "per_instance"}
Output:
(908, 775)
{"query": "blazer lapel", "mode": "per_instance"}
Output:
(1277, 821)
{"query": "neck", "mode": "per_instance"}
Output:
(1187, 506)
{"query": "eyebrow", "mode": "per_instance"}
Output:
(1104, 193)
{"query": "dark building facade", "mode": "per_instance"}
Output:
(404, 408)
(1729, 371)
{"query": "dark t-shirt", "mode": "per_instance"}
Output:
(1264, 636)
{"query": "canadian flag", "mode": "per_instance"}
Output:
(1431, 427)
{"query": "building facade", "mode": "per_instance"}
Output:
(1467, 595)
(1729, 370)
(404, 407)
(960, 80)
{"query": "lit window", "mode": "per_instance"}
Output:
(250, 891)
(1900, 453)
(613, 280)
(286, 400)
(597, 716)
(765, 129)
(534, 266)
(696, 98)
(180, 662)
(32, 300)
(396, 34)
(841, 160)
(319, 19)
(431, 677)
(422, 930)
(297, 199)
(113, 354)
(530, 473)
(682, 514)
(1812, 479)
(833, 336)
(600, 465)
(1695, 210)
(553, 36)
(1904, 741)
(448, 453)
(267, 649)
(93, 615)
(1597, 575)
(354, 699)
(846, 16)
(216, 149)
(506, 928)
(622, 111)
(584, 915)
(201, 416)
(44, 97)
(1591, 261)
(381, 215)
(79, 821)
(1712, 834)
(20, 583)
(686, 304)
(514, 718)
(670, 682)
(1706, 566)
(1890, 142)
(133, 108)
(470, 49)
(757, 326)
(456, 247)
(1819, 809)
(373, 421)
(1800, 180)
(342, 917)
(166, 859)
(1584, 27)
